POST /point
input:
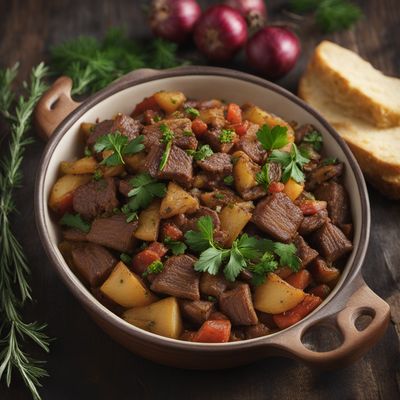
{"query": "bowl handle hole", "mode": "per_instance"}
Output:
(322, 337)
(363, 318)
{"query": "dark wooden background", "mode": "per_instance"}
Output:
(84, 363)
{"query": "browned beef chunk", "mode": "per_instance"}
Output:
(323, 174)
(347, 229)
(74, 235)
(95, 198)
(125, 125)
(238, 306)
(203, 104)
(331, 242)
(213, 285)
(178, 168)
(124, 187)
(254, 193)
(237, 334)
(274, 172)
(218, 163)
(304, 251)
(181, 127)
(197, 311)
(250, 145)
(256, 331)
(312, 222)
(178, 278)
(190, 223)
(212, 137)
(113, 232)
(93, 263)
(278, 216)
(302, 131)
(336, 196)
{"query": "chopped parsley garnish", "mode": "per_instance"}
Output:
(219, 196)
(260, 270)
(202, 153)
(175, 246)
(226, 136)
(187, 133)
(329, 161)
(274, 138)
(262, 177)
(120, 145)
(228, 180)
(154, 268)
(167, 138)
(87, 152)
(145, 189)
(193, 112)
(97, 175)
(75, 221)
(125, 258)
(157, 118)
(315, 139)
(292, 163)
(258, 255)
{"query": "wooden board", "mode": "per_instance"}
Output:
(84, 363)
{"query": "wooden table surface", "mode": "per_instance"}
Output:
(84, 363)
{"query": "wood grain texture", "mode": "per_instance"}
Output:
(84, 363)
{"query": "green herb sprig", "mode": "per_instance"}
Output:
(177, 247)
(14, 270)
(75, 221)
(201, 153)
(274, 138)
(167, 139)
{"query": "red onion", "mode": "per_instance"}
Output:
(254, 11)
(174, 19)
(220, 32)
(273, 51)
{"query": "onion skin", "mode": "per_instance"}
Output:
(220, 33)
(254, 11)
(273, 51)
(174, 20)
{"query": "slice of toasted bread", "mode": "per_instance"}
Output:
(377, 150)
(355, 84)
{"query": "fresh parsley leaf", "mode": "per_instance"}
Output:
(75, 221)
(228, 180)
(219, 196)
(202, 239)
(274, 138)
(191, 111)
(154, 268)
(167, 134)
(175, 246)
(315, 139)
(187, 133)
(87, 152)
(125, 258)
(129, 214)
(97, 175)
(249, 246)
(292, 163)
(226, 136)
(267, 264)
(329, 161)
(210, 261)
(236, 264)
(202, 153)
(119, 145)
(167, 139)
(262, 177)
(287, 255)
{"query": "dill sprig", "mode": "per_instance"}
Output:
(93, 64)
(14, 270)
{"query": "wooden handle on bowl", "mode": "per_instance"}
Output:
(355, 343)
(54, 106)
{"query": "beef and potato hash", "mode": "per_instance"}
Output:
(204, 221)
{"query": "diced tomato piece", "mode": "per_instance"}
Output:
(289, 318)
(148, 103)
(234, 114)
(143, 259)
(320, 291)
(216, 315)
(158, 248)
(65, 204)
(172, 231)
(241, 129)
(199, 127)
(311, 207)
(214, 331)
(299, 280)
(275, 187)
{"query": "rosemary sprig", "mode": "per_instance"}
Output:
(93, 64)
(14, 287)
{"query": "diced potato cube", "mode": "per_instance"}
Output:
(136, 162)
(293, 189)
(170, 101)
(177, 201)
(162, 318)
(276, 296)
(116, 170)
(85, 165)
(233, 219)
(62, 191)
(149, 222)
(244, 172)
(213, 116)
(126, 288)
